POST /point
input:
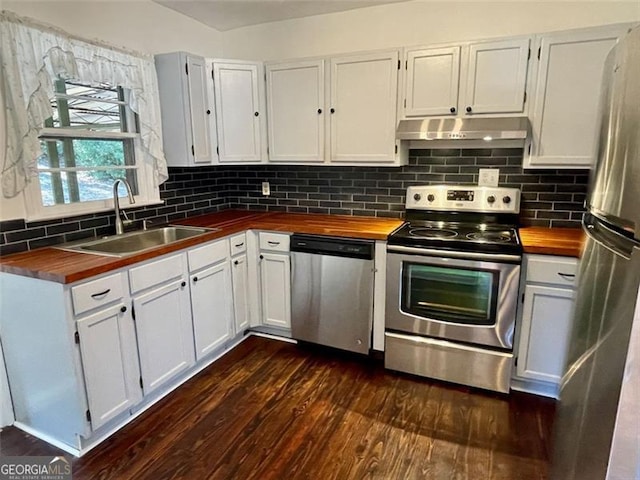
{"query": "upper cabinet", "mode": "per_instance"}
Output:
(432, 80)
(339, 110)
(240, 112)
(461, 80)
(496, 76)
(362, 108)
(565, 112)
(186, 109)
(295, 93)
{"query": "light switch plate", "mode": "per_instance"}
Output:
(488, 177)
(266, 188)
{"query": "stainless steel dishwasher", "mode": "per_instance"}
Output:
(332, 291)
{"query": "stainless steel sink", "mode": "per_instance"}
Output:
(135, 242)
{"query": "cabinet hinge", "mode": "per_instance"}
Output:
(212, 74)
(133, 311)
(267, 150)
(186, 68)
(405, 103)
(515, 361)
(399, 63)
(88, 414)
(218, 151)
(525, 98)
(265, 76)
(76, 338)
(539, 50)
(193, 151)
(140, 380)
(406, 64)
(522, 298)
(529, 55)
(396, 148)
(529, 154)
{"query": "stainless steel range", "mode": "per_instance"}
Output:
(453, 271)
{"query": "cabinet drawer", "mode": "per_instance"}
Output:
(238, 244)
(274, 241)
(208, 254)
(551, 269)
(97, 293)
(155, 273)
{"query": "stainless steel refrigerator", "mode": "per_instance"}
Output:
(597, 427)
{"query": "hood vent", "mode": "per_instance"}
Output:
(488, 129)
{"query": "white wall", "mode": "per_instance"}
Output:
(418, 22)
(140, 25)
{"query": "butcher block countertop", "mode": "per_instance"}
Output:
(67, 267)
(552, 241)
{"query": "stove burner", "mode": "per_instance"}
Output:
(490, 236)
(432, 232)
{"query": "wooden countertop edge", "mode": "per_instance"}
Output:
(272, 221)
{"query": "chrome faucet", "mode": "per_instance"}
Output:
(116, 202)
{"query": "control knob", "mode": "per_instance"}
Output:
(506, 199)
(491, 199)
(417, 197)
(431, 197)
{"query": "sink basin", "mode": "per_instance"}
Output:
(135, 242)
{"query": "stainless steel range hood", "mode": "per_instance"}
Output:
(455, 129)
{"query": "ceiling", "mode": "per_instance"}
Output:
(229, 14)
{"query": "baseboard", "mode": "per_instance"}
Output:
(272, 336)
(537, 388)
(47, 438)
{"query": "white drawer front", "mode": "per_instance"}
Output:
(208, 254)
(551, 269)
(155, 273)
(238, 244)
(97, 293)
(274, 241)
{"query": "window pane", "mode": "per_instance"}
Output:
(449, 294)
(85, 153)
(69, 187)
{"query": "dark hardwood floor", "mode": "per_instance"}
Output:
(273, 410)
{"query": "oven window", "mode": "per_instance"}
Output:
(450, 294)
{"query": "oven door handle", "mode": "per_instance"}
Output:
(431, 252)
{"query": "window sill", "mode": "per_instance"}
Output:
(89, 211)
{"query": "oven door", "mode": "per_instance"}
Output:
(466, 297)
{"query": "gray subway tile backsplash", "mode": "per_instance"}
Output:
(550, 197)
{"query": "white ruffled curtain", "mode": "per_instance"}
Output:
(33, 56)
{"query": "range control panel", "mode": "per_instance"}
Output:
(463, 198)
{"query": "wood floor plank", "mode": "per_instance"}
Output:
(270, 410)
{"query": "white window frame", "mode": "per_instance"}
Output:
(148, 193)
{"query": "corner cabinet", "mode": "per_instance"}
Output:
(487, 77)
(545, 322)
(186, 109)
(240, 110)
(566, 98)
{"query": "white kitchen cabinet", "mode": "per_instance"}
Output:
(296, 115)
(566, 98)
(212, 307)
(362, 108)
(275, 278)
(110, 363)
(496, 76)
(545, 320)
(239, 100)
(186, 109)
(432, 81)
(240, 282)
(163, 320)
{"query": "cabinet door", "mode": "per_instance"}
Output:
(362, 107)
(211, 304)
(546, 326)
(275, 274)
(239, 273)
(110, 363)
(496, 76)
(237, 97)
(568, 85)
(295, 102)
(200, 109)
(165, 334)
(432, 82)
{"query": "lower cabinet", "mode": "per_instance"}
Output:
(545, 321)
(212, 307)
(275, 274)
(109, 360)
(240, 282)
(164, 332)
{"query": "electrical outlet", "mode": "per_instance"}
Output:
(488, 177)
(266, 188)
